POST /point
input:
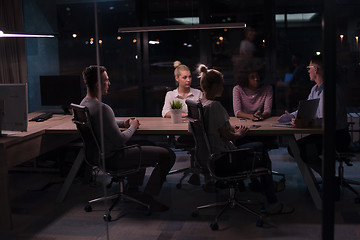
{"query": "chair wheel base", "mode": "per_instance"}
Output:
(214, 226)
(88, 208)
(107, 217)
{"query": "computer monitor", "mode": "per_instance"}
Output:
(61, 91)
(13, 107)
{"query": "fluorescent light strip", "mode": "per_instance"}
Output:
(2, 34)
(181, 27)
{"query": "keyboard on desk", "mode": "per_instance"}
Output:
(42, 117)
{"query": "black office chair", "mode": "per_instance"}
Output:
(194, 170)
(227, 172)
(94, 157)
(345, 157)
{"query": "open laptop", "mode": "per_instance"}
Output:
(306, 111)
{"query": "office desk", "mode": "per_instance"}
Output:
(20, 147)
(42, 137)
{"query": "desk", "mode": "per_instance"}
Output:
(24, 146)
(45, 136)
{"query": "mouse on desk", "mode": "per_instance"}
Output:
(40, 119)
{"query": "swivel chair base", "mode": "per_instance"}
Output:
(232, 202)
(345, 183)
(116, 197)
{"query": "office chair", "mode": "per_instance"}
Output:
(193, 171)
(227, 176)
(94, 157)
(343, 157)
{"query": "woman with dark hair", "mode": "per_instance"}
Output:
(251, 99)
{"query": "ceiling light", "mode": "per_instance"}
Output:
(2, 34)
(181, 27)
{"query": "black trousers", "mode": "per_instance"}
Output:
(162, 159)
(311, 148)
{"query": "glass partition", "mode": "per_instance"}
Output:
(284, 36)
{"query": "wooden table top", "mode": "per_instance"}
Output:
(153, 126)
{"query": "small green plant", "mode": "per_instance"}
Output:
(176, 104)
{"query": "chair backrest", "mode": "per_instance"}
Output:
(197, 128)
(93, 154)
(222, 166)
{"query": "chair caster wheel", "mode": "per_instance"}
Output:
(88, 208)
(178, 186)
(357, 200)
(195, 213)
(259, 223)
(107, 217)
(214, 226)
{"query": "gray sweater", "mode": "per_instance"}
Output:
(113, 136)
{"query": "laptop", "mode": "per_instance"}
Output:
(306, 112)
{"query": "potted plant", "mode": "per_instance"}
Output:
(176, 106)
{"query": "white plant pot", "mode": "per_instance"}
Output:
(175, 115)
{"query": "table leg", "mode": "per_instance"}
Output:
(70, 177)
(306, 172)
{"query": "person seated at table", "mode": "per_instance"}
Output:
(311, 145)
(182, 92)
(251, 99)
(162, 158)
(221, 134)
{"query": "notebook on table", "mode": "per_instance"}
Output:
(306, 112)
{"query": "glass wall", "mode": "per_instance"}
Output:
(140, 65)
(282, 36)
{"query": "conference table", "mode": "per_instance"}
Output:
(58, 131)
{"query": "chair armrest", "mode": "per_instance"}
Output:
(130, 147)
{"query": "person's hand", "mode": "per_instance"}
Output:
(240, 131)
(183, 115)
(286, 117)
(258, 116)
(127, 122)
(134, 122)
(293, 122)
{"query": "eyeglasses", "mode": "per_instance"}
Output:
(308, 67)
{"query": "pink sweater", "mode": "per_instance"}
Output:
(249, 101)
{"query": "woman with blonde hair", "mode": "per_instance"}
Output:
(182, 92)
